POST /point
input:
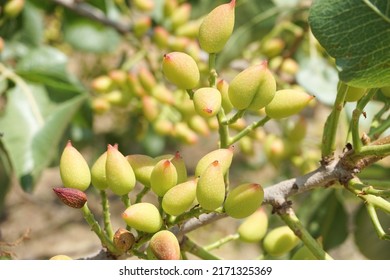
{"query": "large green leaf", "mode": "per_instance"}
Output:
(33, 26)
(357, 34)
(33, 126)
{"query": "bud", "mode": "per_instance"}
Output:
(207, 102)
(181, 69)
(119, 173)
(279, 241)
(71, 197)
(179, 198)
(13, 8)
(181, 15)
(287, 102)
(123, 240)
(217, 27)
(223, 156)
(254, 228)
(180, 166)
(102, 84)
(165, 246)
(252, 88)
(210, 191)
(98, 173)
(223, 88)
(163, 177)
(74, 169)
(143, 166)
(60, 258)
(143, 217)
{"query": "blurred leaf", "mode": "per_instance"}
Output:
(357, 34)
(318, 77)
(327, 219)
(32, 31)
(5, 171)
(366, 238)
(375, 171)
(89, 36)
(32, 143)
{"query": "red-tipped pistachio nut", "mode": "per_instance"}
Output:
(165, 246)
(223, 156)
(163, 177)
(207, 102)
(143, 217)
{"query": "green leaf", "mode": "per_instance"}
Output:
(366, 238)
(33, 126)
(32, 30)
(89, 36)
(357, 34)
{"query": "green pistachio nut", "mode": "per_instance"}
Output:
(150, 108)
(254, 227)
(223, 156)
(199, 125)
(181, 15)
(143, 166)
(169, 6)
(163, 177)
(119, 173)
(352, 94)
(223, 88)
(280, 241)
(287, 102)
(13, 8)
(146, 78)
(253, 88)
(180, 166)
(184, 133)
(141, 25)
(207, 101)
(189, 29)
(163, 94)
(246, 146)
(181, 69)
(243, 200)
(160, 37)
(144, 5)
(210, 191)
(74, 169)
(386, 91)
(102, 84)
(179, 198)
(217, 27)
(297, 131)
(143, 216)
(98, 172)
(165, 246)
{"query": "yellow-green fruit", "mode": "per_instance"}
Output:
(165, 246)
(100, 105)
(246, 146)
(143, 166)
(74, 169)
(210, 191)
(254, 227)
(98, 173)
(181, 15)
(179, 198)
(141, 25)
(144, 5)
(207, 102)
(217, 27)
(169, 7)
(223, 88)
(13, 7)
(386, 91)
(60, 257)
(146, 78)
(163, 177)
(199, 125)
(163, 94)
(189, 29)
(353, 93)
(150, 108)
(102, 84)
(243, 200)
(297, 131)
(160, 37)
(143, 216)
(119, 173)
(252, 88)
(279, 241)
(181, 168)
(223, 156)
(287, 102)
(184, 133)
(303, 253)
(181, 69)
(272, 47)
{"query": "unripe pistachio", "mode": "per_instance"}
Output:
(298, 130)
(287, 102)
(386, 91)
(189, 29)
(74, 169)
(150, 108)
(116, 98)
(181, 69)
(123, 240)
(143, 166)
(144, 5)
(163, 177)
(118, 77)
(272, 47)
(253, 88)
(143, 216)
(71, 197)
(178, 44)
(100, 105)
(163, 94)
(223, 88)
(163, 126)
(275, 149)
(141, 26)
(290, 66)
(102, 84)
(146, 78)
(223, 156)
(303, 253)
(119, 173)
(199, 125)
(246, 146)
(13, 8)
(354, 94)
(207, 102)
(60, 257)
(169, 7)
(184, 133)
(210, 191)
(160, 37)
(181, 15)
(98, 173)
(180, 166)
(254, 227)
(165, 246)
(279, 241)
(217, 27)
(243, 200)
(179, 198)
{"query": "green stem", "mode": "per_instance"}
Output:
(106, 214)
(106, 242)
(376, 223)
(374, 150)
(212, 71)
(296, 226)
(126, 200)
(139, 254)
(196, 250)
(373, 191)
(223, 130)
(331, 124)
(194, 212)
(221, 242)
(235, 117)
(141, 194)
(375, 132)
(248, 130)
(190, 93)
